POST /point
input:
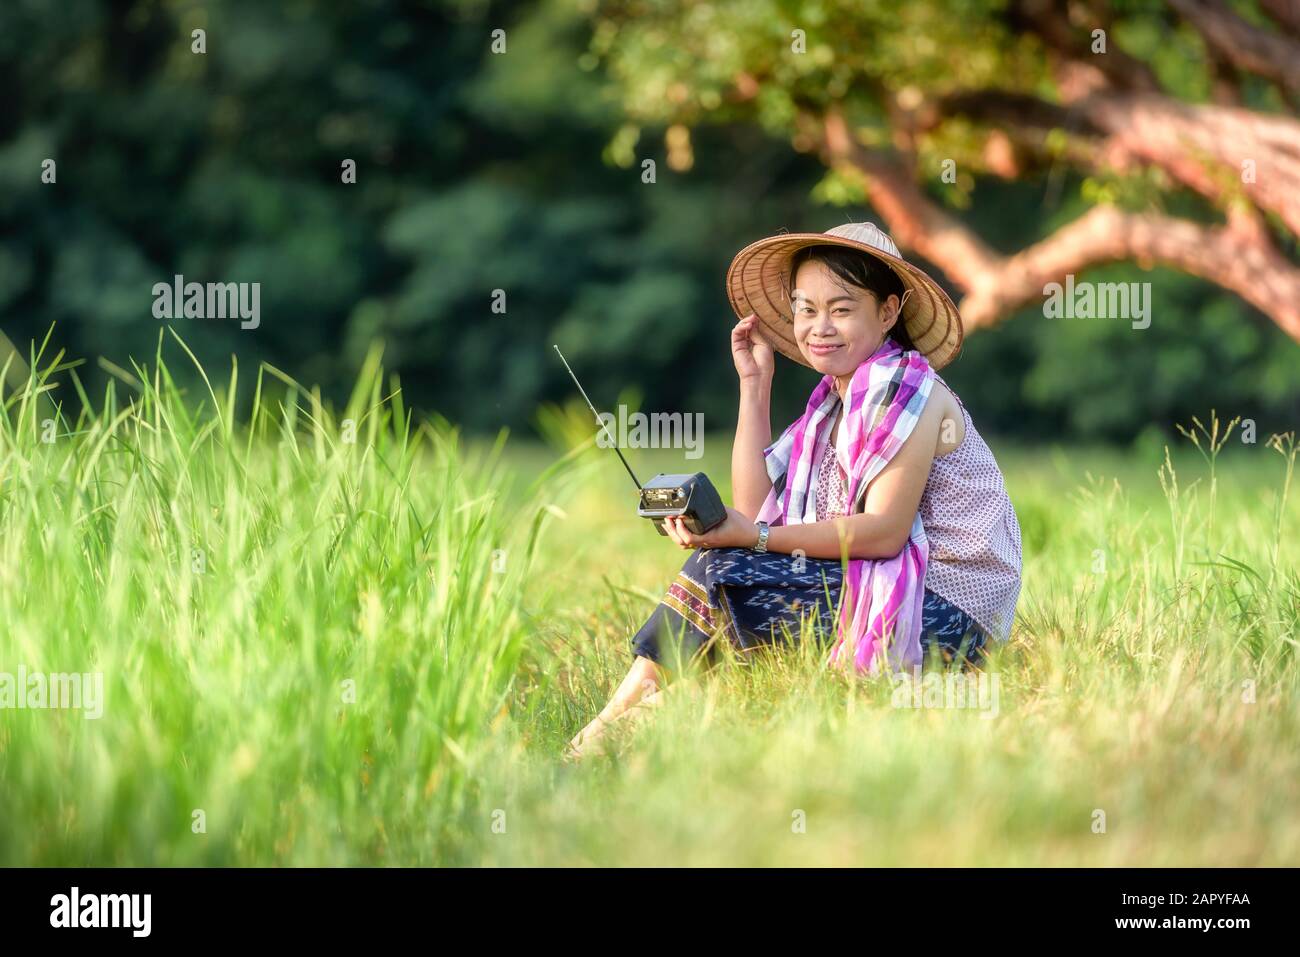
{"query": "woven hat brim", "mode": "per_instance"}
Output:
(756, 284)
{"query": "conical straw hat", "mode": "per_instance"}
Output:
(757, 277)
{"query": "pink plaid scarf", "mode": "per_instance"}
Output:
(880, 619)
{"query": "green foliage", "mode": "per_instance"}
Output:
(304, 627)
(1157, 624)
(229, 561)
(372, 652)
(521, 172)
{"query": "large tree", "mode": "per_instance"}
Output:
(1178, 115)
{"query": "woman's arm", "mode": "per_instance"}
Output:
(754, 365)
(879, 531)
(750, 483)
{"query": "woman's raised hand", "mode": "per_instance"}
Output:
(750, 351)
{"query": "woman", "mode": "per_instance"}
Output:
(887, 528)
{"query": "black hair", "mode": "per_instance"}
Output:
(859, 269)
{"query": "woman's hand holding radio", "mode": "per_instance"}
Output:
(736, 531)
(750, 352)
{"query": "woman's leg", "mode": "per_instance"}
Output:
(696, 614)
(590, 740)
(677, 630)
(645, 679)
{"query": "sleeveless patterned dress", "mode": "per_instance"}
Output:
(975, 555)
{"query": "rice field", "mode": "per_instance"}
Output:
(351, 636)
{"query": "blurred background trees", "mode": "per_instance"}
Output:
(989, 137)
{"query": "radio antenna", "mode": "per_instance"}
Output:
(599, 420)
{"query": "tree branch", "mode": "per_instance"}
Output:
(1044, 19)
(1285, 13)
(1256, 272)
(1244, 45)
(1204, 147)
(1237, 256)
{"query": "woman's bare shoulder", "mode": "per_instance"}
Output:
(948, 411)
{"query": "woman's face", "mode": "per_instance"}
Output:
(837, 324)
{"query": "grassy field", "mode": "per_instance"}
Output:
(348, 637)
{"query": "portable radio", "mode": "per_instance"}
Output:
(693, 497)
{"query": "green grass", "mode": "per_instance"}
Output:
(304, 641)
(372, 652)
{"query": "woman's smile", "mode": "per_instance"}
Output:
(824, 348)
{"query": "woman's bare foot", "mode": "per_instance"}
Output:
(590, 740)
(587, 741)
(643, 679)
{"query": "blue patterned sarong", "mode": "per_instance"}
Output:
(753, 599)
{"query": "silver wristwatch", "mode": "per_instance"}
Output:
(762, 537)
